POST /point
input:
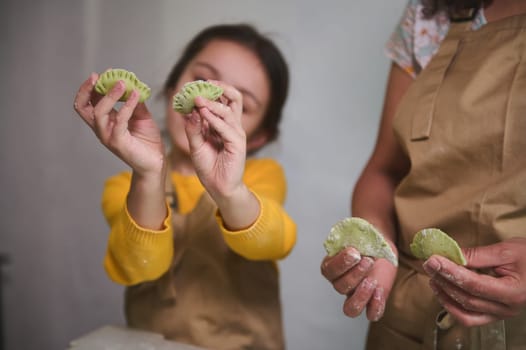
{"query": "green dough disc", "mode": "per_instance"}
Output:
(360, 234)
(431, 241)
(183, 101)
(107, 79)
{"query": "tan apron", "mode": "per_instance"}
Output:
(463, 125)
(211, 297)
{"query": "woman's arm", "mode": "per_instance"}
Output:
(373, 195)
(365, 282)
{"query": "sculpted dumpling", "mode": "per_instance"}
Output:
(183, 101)
(107, 79)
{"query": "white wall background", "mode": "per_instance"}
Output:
(52, 168)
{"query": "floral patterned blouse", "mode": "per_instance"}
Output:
(416, 39)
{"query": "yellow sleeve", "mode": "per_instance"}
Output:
(134, 254)
(273, 235)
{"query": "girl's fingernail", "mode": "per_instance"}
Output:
(92, 78)
(200, 101)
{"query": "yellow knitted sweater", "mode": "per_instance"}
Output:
(136, 255)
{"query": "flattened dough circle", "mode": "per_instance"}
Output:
(432, 241)
(360, 234)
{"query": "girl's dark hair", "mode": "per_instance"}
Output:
(456, 9)
(271, 58)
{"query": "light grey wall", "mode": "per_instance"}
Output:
(52, 168)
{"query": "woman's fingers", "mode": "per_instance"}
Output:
(334, 267)
(365, 281)
(470, 302)
(480, 285)
(476, 298)
(497, 254)
(349, 281)
(466, 317)
(355, 303)
(376, 306)
(384, 273)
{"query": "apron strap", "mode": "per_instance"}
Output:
(165, 287)
(435, 73)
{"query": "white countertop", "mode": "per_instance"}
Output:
(121, 338)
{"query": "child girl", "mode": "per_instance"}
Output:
(196, 230)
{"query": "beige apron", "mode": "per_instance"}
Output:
(211, 297)
(463, 125)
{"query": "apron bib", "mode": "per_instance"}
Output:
(462, 124)
(210, 297)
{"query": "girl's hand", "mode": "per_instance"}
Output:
(366, 282)
(474, 298)
(218, 143)
(130, 133)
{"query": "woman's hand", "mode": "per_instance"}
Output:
(475, 298)
(130, 133)
(365, 282)
(218, 142)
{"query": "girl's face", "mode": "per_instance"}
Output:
(236, 65)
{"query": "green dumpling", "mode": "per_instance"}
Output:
(432, 241)
(107, 79)
(183, 101)
(360, 234)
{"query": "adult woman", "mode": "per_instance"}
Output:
(203, 270)
(453, 162)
